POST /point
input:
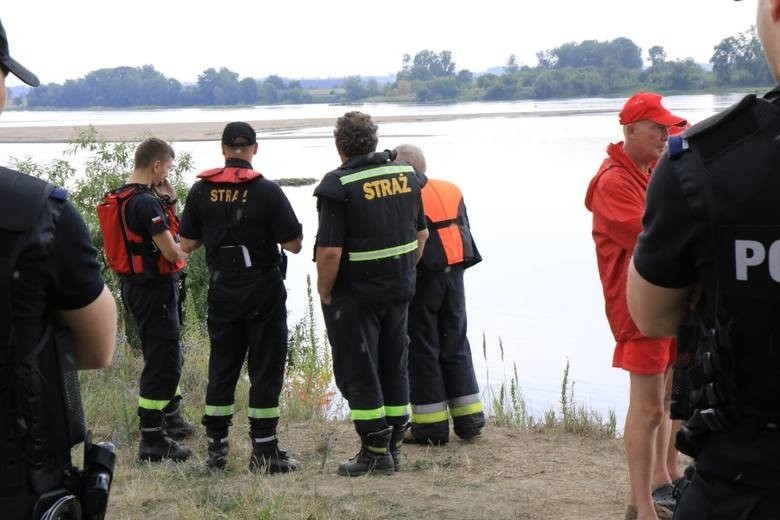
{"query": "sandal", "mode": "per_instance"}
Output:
(664, 496)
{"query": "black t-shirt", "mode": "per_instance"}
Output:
(255, 214)
(145, 215)
(66, 276)
(668, 252)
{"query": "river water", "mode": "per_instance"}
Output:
(523, 174)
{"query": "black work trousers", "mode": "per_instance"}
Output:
(369, 348)
(154, 306)
(247, 320)
(441, 371)
(737, 477)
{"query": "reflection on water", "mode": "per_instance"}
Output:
(524, 181)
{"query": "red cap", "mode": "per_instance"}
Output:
(678, 129)
(647, 105)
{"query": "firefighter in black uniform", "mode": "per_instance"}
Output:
(710, 244)
(371, 234)
(241, 218)
(56, 315)
(152, 295)
(441, 373)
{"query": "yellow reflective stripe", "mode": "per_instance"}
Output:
(178, 392)
(460, 411)
(152, 404)
(430, 417)
(220, 411)
(376, 449)
(397, 411)
(374, 172)
(361, 256)
(367, 415)
(263, 413)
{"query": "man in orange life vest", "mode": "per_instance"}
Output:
(152, 297)
(441, 374)
(242, 218)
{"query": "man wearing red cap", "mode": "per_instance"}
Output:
(616, 196)
(707, 267)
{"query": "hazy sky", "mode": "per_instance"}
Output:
(61, 40)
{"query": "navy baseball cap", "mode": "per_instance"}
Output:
(16, 68)
(238, 134)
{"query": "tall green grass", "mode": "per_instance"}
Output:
(507, 406)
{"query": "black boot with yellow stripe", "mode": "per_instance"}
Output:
(218, 449)
(266, 455)
(396, 441)
(373, 458)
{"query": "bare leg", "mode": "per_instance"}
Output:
(672, 459)
(645, 414)
(661, 468)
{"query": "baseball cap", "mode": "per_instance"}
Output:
(647, 105)
(679, 129)
(238, 134)
(16, 68)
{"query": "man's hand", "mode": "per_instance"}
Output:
(165, 191)
(326, 298)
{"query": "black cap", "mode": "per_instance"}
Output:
(238, 134)
(16, 68)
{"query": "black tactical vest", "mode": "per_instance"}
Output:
(729, 170)
(41, 417)
(382, 201)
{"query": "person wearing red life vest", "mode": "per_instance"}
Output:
(442, 382)
(150, 291)
(242, 218)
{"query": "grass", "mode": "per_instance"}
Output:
(312, 424)
(507, 407)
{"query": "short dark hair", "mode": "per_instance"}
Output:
(150, 150)
(355, 134)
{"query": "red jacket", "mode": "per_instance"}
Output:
(616, 196)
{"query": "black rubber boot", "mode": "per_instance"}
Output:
(155, 446)
(414, 436)
(373, 458)
(266, 455)
(396, 441)
(469, 427)
(175, 425)
(218, 448)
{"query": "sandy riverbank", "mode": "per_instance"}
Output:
(208, 131)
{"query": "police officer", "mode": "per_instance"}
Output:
(152, 297)
(241, 218)
(708, 259)
(441, 374)
(371, 234)
(54, 308)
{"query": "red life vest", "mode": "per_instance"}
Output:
(124, 249)
(230, 174)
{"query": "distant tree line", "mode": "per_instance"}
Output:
(588, 68)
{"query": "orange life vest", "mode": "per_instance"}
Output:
(125, 249)
(450, 241)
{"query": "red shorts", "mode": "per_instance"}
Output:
(646, 356)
